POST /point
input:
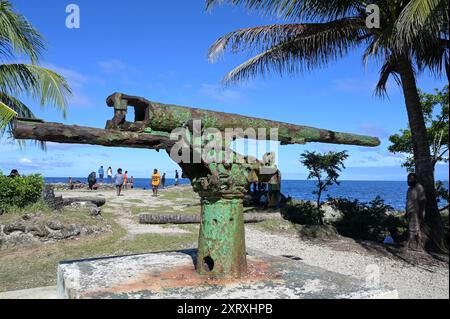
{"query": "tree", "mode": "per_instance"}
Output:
(437, 125)
(325, 168)
(19, 38)
(413, 37)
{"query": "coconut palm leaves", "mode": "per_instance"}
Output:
(418, 28)
(290, 48)
(19, 38)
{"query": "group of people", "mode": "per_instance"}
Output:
(121, 180)
(157, 181)
(266, 194)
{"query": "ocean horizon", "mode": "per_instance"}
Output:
(392, 192)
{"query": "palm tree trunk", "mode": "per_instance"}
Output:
(432, 230)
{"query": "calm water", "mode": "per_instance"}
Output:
(394, 193)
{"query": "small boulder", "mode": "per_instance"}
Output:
(8, 229)
(54, 225)
(95, 211)
(27, 216)
(37, 230)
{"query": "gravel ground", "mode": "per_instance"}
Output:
(411, 281)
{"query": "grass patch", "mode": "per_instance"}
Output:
(186, 194)
(135, 200)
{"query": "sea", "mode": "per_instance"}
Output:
(392, 192)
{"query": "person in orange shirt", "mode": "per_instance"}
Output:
(125, 180)
(156, 181)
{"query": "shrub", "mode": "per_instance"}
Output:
(304, 213)
(368, 221)
(20, 191)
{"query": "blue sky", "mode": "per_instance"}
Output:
(157, 49)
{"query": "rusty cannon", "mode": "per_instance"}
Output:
(220, 182)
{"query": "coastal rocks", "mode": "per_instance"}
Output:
(331, 215)
(54, 225)
(57, 203)
(35, 230)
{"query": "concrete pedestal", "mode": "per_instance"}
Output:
(172, 275)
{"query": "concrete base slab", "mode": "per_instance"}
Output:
(34, 293)
(172, 275)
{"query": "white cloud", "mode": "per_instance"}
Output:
(25, 160)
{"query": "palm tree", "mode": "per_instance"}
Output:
(413, 37)
(19, 38)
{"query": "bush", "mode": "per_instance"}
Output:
(20, 191)
(303, 213)
(368, 221)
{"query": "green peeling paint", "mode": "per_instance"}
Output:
(221, 243)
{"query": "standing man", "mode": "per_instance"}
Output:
(163, 180)
(156, 181)
(109, 172)
(176, 177)
(101, 174)
(415, 211)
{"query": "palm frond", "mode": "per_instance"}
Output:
(43, 85)
(256, 39)
(6, 115)
(17, 35)
(420, 15)
(388, 69)
(21, 110)
(308, 46)
(318, 10)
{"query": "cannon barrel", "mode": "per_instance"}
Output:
(153, 116)
(29, 129)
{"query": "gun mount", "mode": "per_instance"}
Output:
(221, 185)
